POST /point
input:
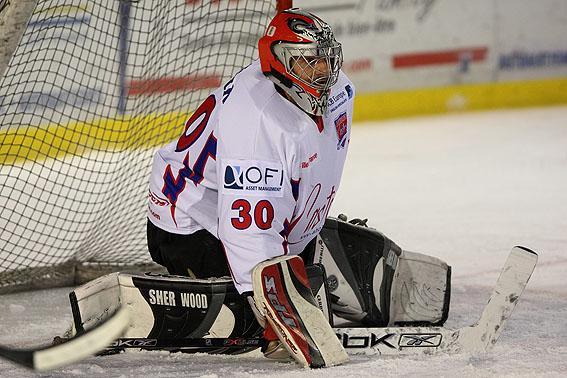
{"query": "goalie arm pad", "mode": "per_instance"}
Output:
(283, 294)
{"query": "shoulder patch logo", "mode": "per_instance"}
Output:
(341, 125)
(233, 177)
(252, 177)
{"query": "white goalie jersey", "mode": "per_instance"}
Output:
(254, 170)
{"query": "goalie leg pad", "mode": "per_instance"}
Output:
(165, 306)
(170, 307)
(372, 282)
(282, 291)
(421, 291)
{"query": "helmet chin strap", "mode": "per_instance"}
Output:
(303, 100)
(307, 102)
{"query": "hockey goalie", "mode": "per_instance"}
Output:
(238, 215)
(349, 275)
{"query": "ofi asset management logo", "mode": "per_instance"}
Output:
(253, 178)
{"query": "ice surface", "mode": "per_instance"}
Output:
(462, 187)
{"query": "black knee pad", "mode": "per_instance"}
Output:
(198, 255)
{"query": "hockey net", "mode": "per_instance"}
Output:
(88, 94)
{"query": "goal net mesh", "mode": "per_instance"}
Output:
(92, 89)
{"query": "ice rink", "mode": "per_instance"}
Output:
(462, 187)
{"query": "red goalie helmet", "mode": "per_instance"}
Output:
(300, 54)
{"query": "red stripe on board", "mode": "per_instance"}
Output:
(173, 84)
(430, 58)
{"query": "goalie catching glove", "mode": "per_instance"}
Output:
(283, 296)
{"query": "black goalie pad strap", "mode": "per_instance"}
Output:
(318, 282)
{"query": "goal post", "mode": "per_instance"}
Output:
(90, 89)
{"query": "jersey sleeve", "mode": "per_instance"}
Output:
(255, 197)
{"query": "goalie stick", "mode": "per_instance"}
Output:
(479, 337)
(199, 344)
(73, 350)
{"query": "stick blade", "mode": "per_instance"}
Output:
(76, 349)
(513, 279)
(479, 337)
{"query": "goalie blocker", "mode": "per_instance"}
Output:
(367, 280)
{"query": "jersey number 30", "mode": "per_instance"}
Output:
(263, 214)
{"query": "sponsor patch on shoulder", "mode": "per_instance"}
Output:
(252, 177)
(341, 125)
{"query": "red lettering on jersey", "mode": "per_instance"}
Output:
(306, 164)
(320, 213)
(263, 214)
(157, 200)
(316, 212)
(244, 220)
(264, 207)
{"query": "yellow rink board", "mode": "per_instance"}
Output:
(52, 141)
(377, 106)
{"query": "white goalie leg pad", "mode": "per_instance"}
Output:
(93, 302)
(148, 297)
(420, 290)
(282, 292)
